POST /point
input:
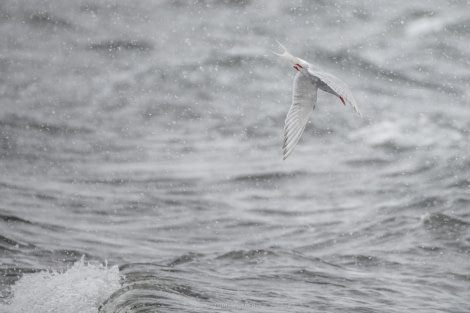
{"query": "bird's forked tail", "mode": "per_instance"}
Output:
(286, 55)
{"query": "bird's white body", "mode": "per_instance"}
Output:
(306, 83)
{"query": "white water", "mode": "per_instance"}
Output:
(81, 288)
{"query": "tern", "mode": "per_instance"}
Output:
(304, 98)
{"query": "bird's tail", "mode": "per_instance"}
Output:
(286, 55)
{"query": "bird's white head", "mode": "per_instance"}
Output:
(298, 63)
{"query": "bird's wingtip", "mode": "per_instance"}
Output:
(358, 112)
(286, 152)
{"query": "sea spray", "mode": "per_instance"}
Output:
(81, 289)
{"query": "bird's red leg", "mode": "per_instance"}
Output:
(342, 100)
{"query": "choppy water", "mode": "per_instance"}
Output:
(141, 163)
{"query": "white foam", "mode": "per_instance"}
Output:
(424, 26)
(433, 24)
(82, 288)
(407, 133)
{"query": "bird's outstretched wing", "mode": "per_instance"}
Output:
(338, 86)
(304, 99)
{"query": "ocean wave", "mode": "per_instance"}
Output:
(247, 254)
(267, 177)
(148, 286)
(186, 258)
(441, 221)
(13, 219)
(47, 19)
(80, 289)
(24, 122)
(116, 45)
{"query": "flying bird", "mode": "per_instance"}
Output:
(304, 98)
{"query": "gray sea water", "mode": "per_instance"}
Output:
(141, 163)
